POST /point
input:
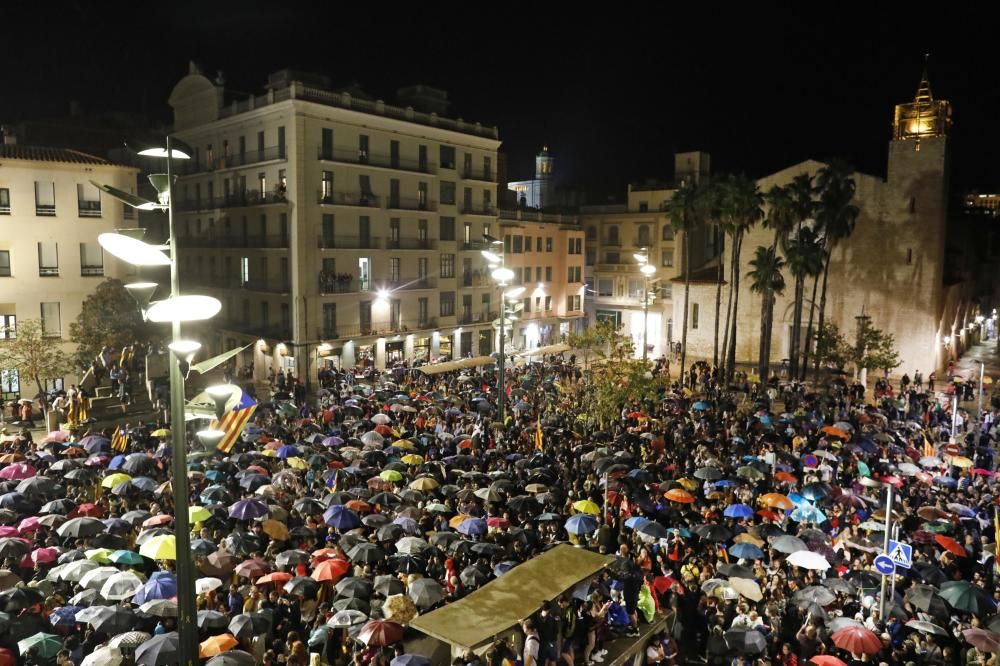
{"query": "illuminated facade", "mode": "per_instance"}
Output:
(538, 193)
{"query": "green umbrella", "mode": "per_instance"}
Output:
(965, 596)
(937, 528)
(287, 409)
(45, 645)
(750, 473)
(126, 557)
(391, 475)
(863, 469)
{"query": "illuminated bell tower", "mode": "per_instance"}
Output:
(924, 117)
(543, 178)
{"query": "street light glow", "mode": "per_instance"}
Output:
(133, 251)
(648, 269)
(184, 308)
(491, 257)
(514, 293)
(502, 274)
(162, 152)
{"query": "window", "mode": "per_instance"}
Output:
(326, 188)
(548, 303)
(48, 259)
(668, 232)
(365, 316)
(8, 326)
(91, 259)
(244, 270)
(447, 157)
(394, 269)
(422, 195)
(326, 149)
(613, 316)
(394, 154)
(4, 263)
(246, 311)
(538, 273)
(467, 236)
(467, 165)
(548, 274)
(527, 243)
(611, 257)
(329, 320)
(538, 303)
(667, 291)
(286, 321)
(422, 311)
(613, 235)
(575, 274)
(265, 314)
(909, 256)
(447, 228)
(643, 206)
(422, 158)
(328, 231)
(447, 192)
(635, 287)
(45, 198)
(591, 256)
(576, 246)
(517, 244)
(643, 237)
(667, 258)
(422, 268)
(605, 287)
(363, 148)
(694, 316)
(447, 266)
(447, 303)
(422, 232)
(262, 184)
(592, 233)
(393, 193)
(4, 201)
(572, 303)
(486, 229)
(527, 305)
(548, 243)
(365, 185)
(51, 326)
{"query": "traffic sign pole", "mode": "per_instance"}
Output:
(885, 548)
(892, 587)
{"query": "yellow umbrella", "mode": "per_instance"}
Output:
(269, 453)
(747, 587)
(413, 459)
(746, 537)
(458, 520)
(688, 484)
(275, 529)
(99, 555)
(961, 461)
(162, 432)
(424, 483)
(404, 444)
(113, 480)
(197, 514)
(162, 547)
(391, 475)
(297, 463)
(586, 506)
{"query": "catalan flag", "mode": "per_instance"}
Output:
(996, 539)
(539, 444)
(119, 440)
(929, 448)
(233, 422)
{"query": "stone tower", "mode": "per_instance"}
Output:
(544, 163)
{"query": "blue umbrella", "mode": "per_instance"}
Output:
(341, 517)
(65, 616)
(333, 441)
(116, 462)
(807, 513)
(814, 492)
(472, 526)
(503, 567)
(798, 500)
(288, 451)
(522, 406)
(408, 524)
(766, 420)
(724, 483)
(700, 406)
(738, 511)
(635, 522)
(640, 475)
(161, 585)
(215, 475)
(144, 483)
(581, 523)
(203, 547)
(254, 481)
(945, 481)
(248, 509)
(96, 445)
(746, 551)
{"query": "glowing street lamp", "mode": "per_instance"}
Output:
(648, 270)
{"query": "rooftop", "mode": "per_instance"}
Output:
(46, 154)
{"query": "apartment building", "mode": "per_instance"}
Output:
(50, 261)
(334, 228)
(616, 289)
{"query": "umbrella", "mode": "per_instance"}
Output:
(826, 660)
(950, 545)
(857, 639)
(425, 592)
(245, 626)
(379, 633)
(44, 645)
(680, 496)
(926, 627)
(748, 588)
(160, 547)
(746, 551)
(788, 544)
(965, 596)
(410, 660)
(581, 523)
(399, 608)
(109, 619)
(210, 619)
(216, 645)
(355, 587)
(814, 594)
(473, 576)
(746, 642)
(738, 511)
(159, 650)
(248, 509)
(232, 658)
(121, 585)
(351, 618)
(130, 639)
(206, 585)
(160, 608)
(104, 656)
(983, 640)
(808, 560)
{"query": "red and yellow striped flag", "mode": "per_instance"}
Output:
(232, 423)
(996, 539)
(539, 444)
(119, 440)
(929, 448)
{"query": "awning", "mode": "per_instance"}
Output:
(502, 603)
(460, 364)
(548, 349)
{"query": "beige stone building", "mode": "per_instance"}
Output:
(50, 261)
(890, 269)
(616, 233)
(337, 229)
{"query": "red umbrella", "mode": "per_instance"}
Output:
(663, 583)
(251, 568)
(45, 555)
(983, 640)
(7, 658)
(827, 660)
(950, 545)
(380, 633)
(331, 570)
(497, 521)
(276, 577)
(981, 472)
(857, 639)
(87, 509)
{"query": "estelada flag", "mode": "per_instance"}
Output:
(538, 435)
(119, 440)
(233, 422)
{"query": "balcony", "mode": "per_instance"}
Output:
(411, 284)
(226, 242)
(476, 279)
(347, 156)
(48, 271)
(474, 246)
(234, 200)
(410, 244)
(524, 214)
(89, 208)
(267, 286)
(246, 158)
(91, 271)
(359, 199)
(349, 243)
(343, 283)
(476, 318)
(45, 210)
(411, 203)
(481, 175)
(472, 209)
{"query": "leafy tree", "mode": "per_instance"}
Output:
(875, 349)
(593, 340)
(831, 347)
(621, 380)
(33, 355)
(109, 316)
(767, 281)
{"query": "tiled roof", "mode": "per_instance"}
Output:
(46, 154)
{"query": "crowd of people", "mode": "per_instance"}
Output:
(740, 530)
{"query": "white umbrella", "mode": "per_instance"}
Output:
(74, 571)
(411, 545)
(94, 579)
(105, 656)
(808, 560)
(121, 586)
(381, 419)
(930, 461)
(908, 469)
(205, 585)
(372, 438)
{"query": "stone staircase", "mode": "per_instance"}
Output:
(105, 407)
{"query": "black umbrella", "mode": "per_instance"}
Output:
(113, 619)
(111, 541)
(81, 527)
(13, 548)
(241, 543)
(210, 619)
(353, 603)
(746, 642)
(355, 587)
(139, 464)
(473, 576)
(292, 557)
(408, 564)
(366, 553)
(303, 586)
(734, 570)
(245, 626)
(159, 650)
(713, 532)
(20, 598)
(388, 585)
(18, 502)
(487, 549)
(390, 532)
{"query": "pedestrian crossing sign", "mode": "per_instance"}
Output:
(901, 554)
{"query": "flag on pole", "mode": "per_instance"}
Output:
(929, 448)
(119, 440)
(538, 434)
(234, 421)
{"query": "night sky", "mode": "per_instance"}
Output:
(612, 95)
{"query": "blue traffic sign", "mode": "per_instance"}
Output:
(901, 554)
(884, 565)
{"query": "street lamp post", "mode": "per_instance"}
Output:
(503, 276)
(647, 270)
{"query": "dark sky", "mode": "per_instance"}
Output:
(613, 88)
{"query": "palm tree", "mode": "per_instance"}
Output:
(741, 206)
(710, 212)
(836, 216)
(802, 209)
(804, 253)
(780, 213)
(767, 281)
(684, 212)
